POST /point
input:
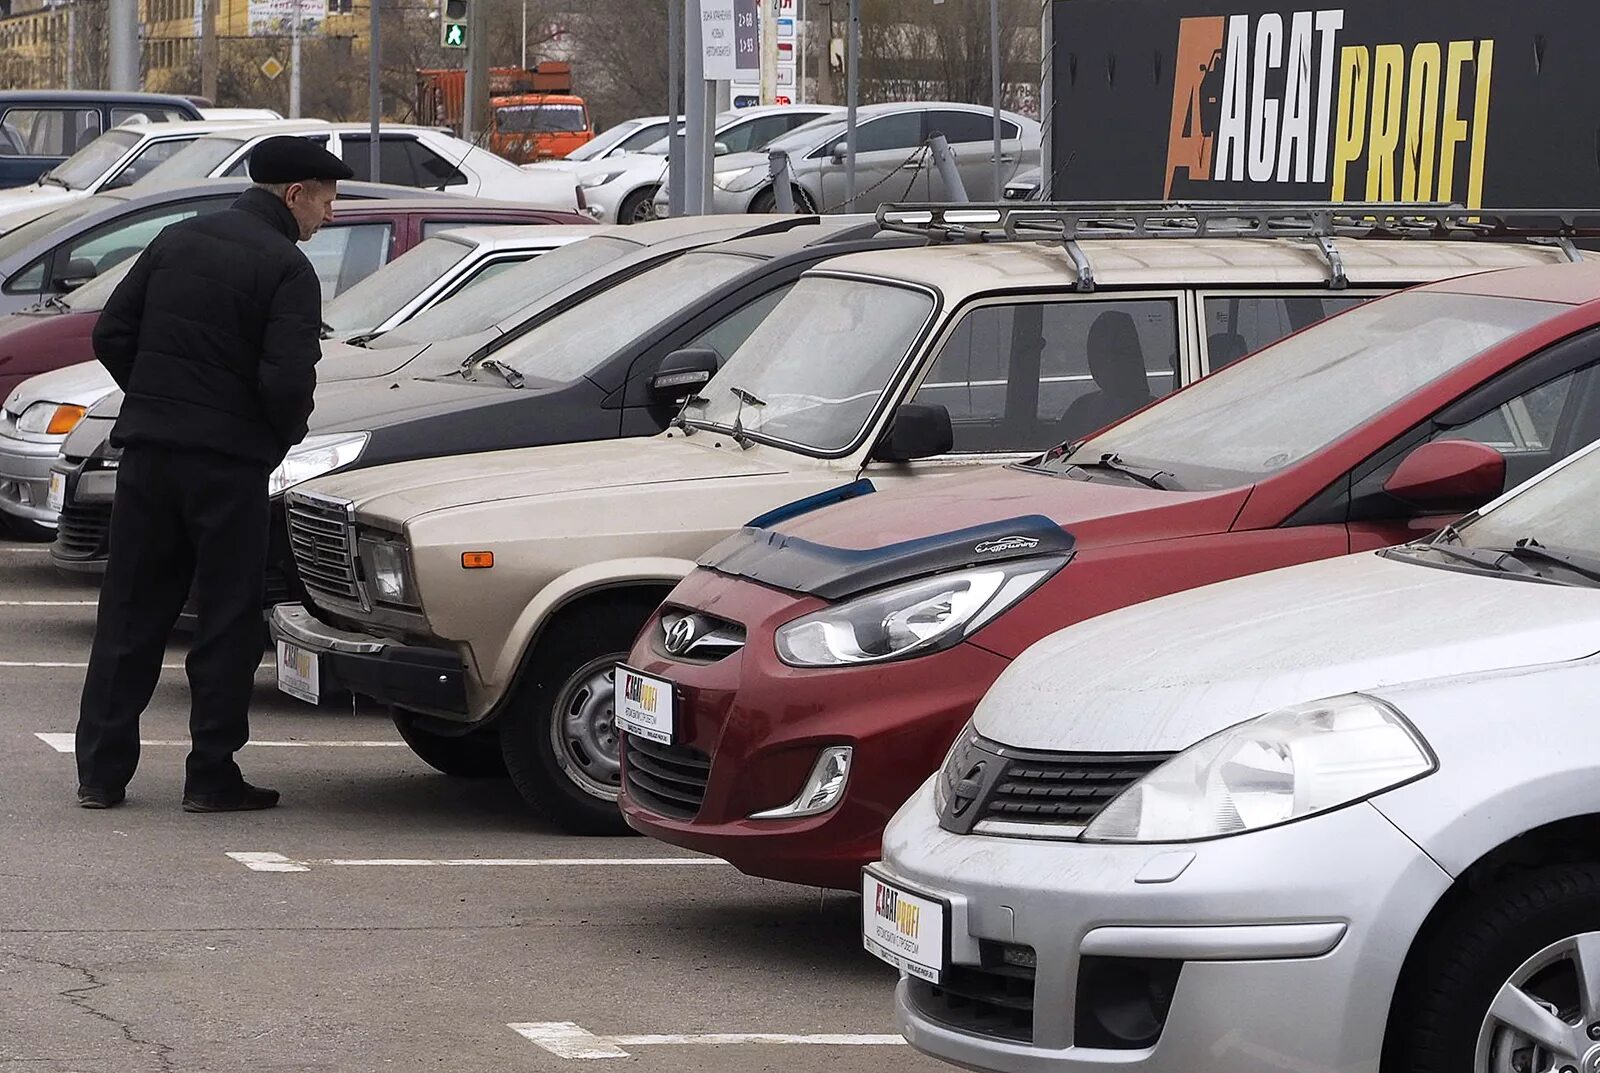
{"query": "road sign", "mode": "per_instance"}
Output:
(747, 39)
(717, 40)
(453, 23)
(272, 68)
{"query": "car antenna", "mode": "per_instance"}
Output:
(474, 144)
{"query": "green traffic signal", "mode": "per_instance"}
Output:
(455, 35)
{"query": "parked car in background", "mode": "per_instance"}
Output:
(39, 129)
(115, 160)
(1337, 816)
(892, 161)
(249, 114)
(369, 227)
(629, 136)
(886, 365)
(622, 188)
(1025, 185)
(407, 156)
(867, 631)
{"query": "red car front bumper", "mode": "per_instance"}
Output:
(760, 724)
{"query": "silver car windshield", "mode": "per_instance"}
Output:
(494, 300)
(81, 169)
(197, 160)
(578, 339)
(1289, 400)
(813, 372)
(1558, 512)
(387, 291)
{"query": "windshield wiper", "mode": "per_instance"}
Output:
(737, 432)
(53, 181)
(362, 338)
(507, 373)
(1529, 548)
(1150, 478)
(744, 396)
(683, 422)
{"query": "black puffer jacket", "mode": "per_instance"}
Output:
(215, 334)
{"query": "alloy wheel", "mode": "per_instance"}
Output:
(1546, 1017)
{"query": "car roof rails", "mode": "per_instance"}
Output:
(1067, 222)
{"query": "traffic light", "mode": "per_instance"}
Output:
(453, 23)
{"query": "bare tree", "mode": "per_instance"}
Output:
(620, 57)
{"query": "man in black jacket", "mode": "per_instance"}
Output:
(214, 337)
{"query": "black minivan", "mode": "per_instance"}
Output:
(41, 128)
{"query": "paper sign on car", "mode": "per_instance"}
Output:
(644, 705)
(902, 928)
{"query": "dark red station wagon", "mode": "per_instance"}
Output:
(819, 668)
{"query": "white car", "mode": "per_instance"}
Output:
(120, 157)
(1337, 817)
(629, 136)
(407, 156)
(622, 188)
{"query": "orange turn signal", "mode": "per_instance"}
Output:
(477, 560)
(64, 420)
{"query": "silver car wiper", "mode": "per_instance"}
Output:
(1529, 548)
(507, 373)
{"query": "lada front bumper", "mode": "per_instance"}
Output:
(430, 681)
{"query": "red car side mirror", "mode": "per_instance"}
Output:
(1448, 476)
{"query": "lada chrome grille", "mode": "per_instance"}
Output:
(666, 779)
(993, 789)
(322, 540)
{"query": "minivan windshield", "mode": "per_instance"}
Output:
(812, 372)
(81, 169)
(387, 291)
(494, 300)
(197, 160)
(1261, 415)
(580, 338)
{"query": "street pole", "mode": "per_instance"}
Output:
(72, 46)
(122, 31)
(208, 50)
(524, 35)
(852, 96)
(477, 103)
(294, 63)
(674, 108)
(694, 112)
(994, 76)
(374, 89)
(1047, 89)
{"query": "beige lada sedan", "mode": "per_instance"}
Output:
(487, 598)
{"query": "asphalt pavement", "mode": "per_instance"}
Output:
(385, 917)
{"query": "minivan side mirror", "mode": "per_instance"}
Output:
(78, 271)
(684, 372)
(919, 430)
(1448, 476)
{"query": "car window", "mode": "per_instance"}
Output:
(1023, 378)
(967, 126)
(52, 131)
(903, 130)
(1557, 511)
(363, 306)
(754, 133)
(124, 114)
(432, 170)
(431, 228)
(83, 168)
(106, 247)
(394, 163)
(494, 269)
(1240, 324)
(729, 333)
(540, 118)
(151, 157)
(344, 256)
(645, 135)
(199, 159)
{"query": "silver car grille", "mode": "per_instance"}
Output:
(322, 540)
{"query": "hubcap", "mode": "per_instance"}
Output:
(1539, 1021)
(584, 728)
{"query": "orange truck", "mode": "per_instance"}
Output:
(533, 113)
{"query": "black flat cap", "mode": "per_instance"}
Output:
(290, 159)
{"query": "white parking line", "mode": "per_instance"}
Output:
(277, 862)
(564, 1039)
(65, 665)
(49, 603)
(63, 743)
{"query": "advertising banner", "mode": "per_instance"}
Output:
(275, 18)
(1470, 101)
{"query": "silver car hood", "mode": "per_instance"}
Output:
(83, 384)
(1160, 676)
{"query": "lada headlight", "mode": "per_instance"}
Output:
(387, 566)
(910, 619)
(314, 456)
(50, 419)
(1274, 769)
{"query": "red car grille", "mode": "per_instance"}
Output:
(666, 779)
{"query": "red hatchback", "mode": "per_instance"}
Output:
(812, 673)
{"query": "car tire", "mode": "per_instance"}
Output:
(767, 201)
(22, 529)
(1510, 935)
(638, 207)
(470, 756)
(558, 738)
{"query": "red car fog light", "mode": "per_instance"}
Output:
(823, 789)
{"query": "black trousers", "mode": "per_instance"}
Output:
(181, 518)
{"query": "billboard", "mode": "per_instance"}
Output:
(1470, 101)
(275, 18)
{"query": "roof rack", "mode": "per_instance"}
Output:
(1067, 222)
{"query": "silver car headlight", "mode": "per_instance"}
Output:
(910, 619)
(387, 565)
(1274, 769)
(594, 181)
(740, 179)
(50, 419)
(314, 456)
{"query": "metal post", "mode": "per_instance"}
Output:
(294, 63)
(674, 108)
(944, 158)
(374, 89)
(714, 92)
(694, 112)
(524, 35)
(852, 96)
(208, 50)
(476, 107)
(1047, 39)
(122, 32)
(994, 74)
(782, 179)
(72, 46)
